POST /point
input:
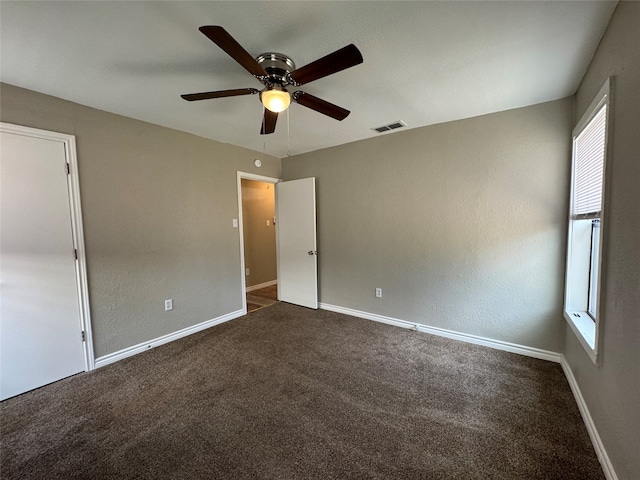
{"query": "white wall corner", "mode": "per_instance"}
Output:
(598, 446)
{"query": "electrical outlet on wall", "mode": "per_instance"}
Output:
(246, 272)
(378, 293)
(168, 304)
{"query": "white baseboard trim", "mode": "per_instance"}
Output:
(141, 347)
(441, 332)
(598, 446)
(497, 344)
(261, 285)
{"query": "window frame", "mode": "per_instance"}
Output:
(579, 280)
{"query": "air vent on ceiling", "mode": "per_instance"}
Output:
(390, 126)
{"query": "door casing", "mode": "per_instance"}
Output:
(240, 177)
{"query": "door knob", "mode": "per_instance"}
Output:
(312, 252)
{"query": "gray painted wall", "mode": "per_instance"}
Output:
(157, 207)
(462, 224)
(612, 391)
(258, 206)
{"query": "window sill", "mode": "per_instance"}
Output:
(585, 329)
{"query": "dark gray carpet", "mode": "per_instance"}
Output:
(289, 393)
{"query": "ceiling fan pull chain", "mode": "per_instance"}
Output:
(288, 136)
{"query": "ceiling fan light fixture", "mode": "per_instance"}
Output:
(276, 99)
(277, 71)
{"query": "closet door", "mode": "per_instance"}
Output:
(41, 327)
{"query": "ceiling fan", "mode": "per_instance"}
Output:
(276, 72)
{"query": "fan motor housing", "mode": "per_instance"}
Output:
(278, 66)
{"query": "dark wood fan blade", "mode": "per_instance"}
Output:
(342, 59)
(219, 94)
(226, 42)
(268, 122)
(319, 105)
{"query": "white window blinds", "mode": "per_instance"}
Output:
(589, 165)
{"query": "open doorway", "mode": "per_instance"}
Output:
(258, 240)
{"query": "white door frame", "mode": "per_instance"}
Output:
(73, 186)
(259, 178)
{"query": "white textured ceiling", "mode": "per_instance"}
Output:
(424, 62)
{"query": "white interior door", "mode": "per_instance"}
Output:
(40, 325)
(296, 239)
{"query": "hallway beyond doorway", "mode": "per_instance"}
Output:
(263, 297)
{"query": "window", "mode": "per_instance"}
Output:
(584, 255)
(592, 304)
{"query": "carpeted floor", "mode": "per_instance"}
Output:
(290, 393)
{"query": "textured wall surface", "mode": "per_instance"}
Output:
(258, 206)
(157, 209)
(462, 224)
(612, 391)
